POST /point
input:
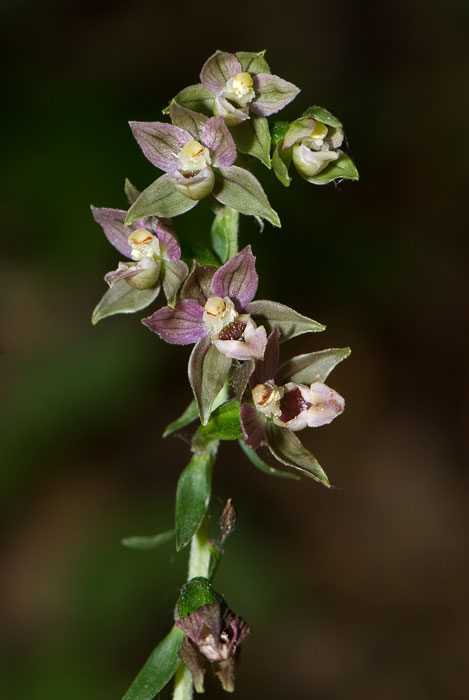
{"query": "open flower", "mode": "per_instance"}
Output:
(272, 408)
(238, 92)
(197, 154)
(313, 143)
(152, 247)
(214, 634)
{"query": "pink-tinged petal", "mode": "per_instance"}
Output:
(160, 143)
(218, 69)
(272, 94)
(266, 368)
(197, 285)
(251, 346)
(169, 243)
(327, 404)
(252, 425)
(217, 138)
(112, 223)
(124, 270)
(237, 279)
(180, 326)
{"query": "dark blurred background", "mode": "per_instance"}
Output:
(361, 592)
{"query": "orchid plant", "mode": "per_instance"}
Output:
(241, 392)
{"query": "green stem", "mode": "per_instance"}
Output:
(225, 242)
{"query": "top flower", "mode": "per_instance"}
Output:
(238, 91)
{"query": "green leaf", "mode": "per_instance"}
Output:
(224, 234)
(253, 62)
(189, 415)
(159, 668)
(194, 97)
(208, 370)
(131, 192)
(311, 367)
(159, 199)
(121, 298)
(238, 188)
(341, 169)
(253, 138)
(278, 131)
(192, 497)
(148, 542)
(222, 425)
(263, 466)
(285, 446)
(322, 115)
(290, 322)
(281, 160)
(195, 593)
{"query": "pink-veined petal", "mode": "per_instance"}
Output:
(237, 279)
(217, 138)
(182, 325)
(218, 69)
(161, 143)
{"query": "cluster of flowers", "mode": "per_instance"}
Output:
(235, 337)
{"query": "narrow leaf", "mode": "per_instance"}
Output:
(253, 62)
(263, 466)
(311, 367)
(224, 233)
(192, 497)
(159, 668)
(281, 160)
(121, 298)
(285, 446)
(253, 138)
(131, 192)
(159, 199)
(322, 115)
(189, 415)
(222, 425)
(195, 97)
(341, 169)
(289, 321)
(208, 370)
(148, 542)
(238, 188)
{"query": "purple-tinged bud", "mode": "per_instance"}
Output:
(214, 633)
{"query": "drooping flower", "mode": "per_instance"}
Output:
(217, 313)
(272, 409)
(214, 634)
(152, 247)
(238, 93)
(313, 143)
(197, 154)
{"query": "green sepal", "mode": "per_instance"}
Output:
(263, 466)
(281, 160)
(290, 323)
(194, 97)
(252, 137)
(189, 415)
(159, 668)
(161, 198)
(121, 298)
(287, 448)
(278, 131)
(223, 424)
(341, 169)
(192, 497)
(148, 542)
(224, 233)
(311, 367)
(322, 115)
(253, 62)
(208, 370)
(195, 593)
(239, 189)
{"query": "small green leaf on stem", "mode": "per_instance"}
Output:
(223, 424)
(192, 497)
(159, 668)
(224, 233)
(148, 542)
(189, 415)
(195, 593)
(263, 466)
